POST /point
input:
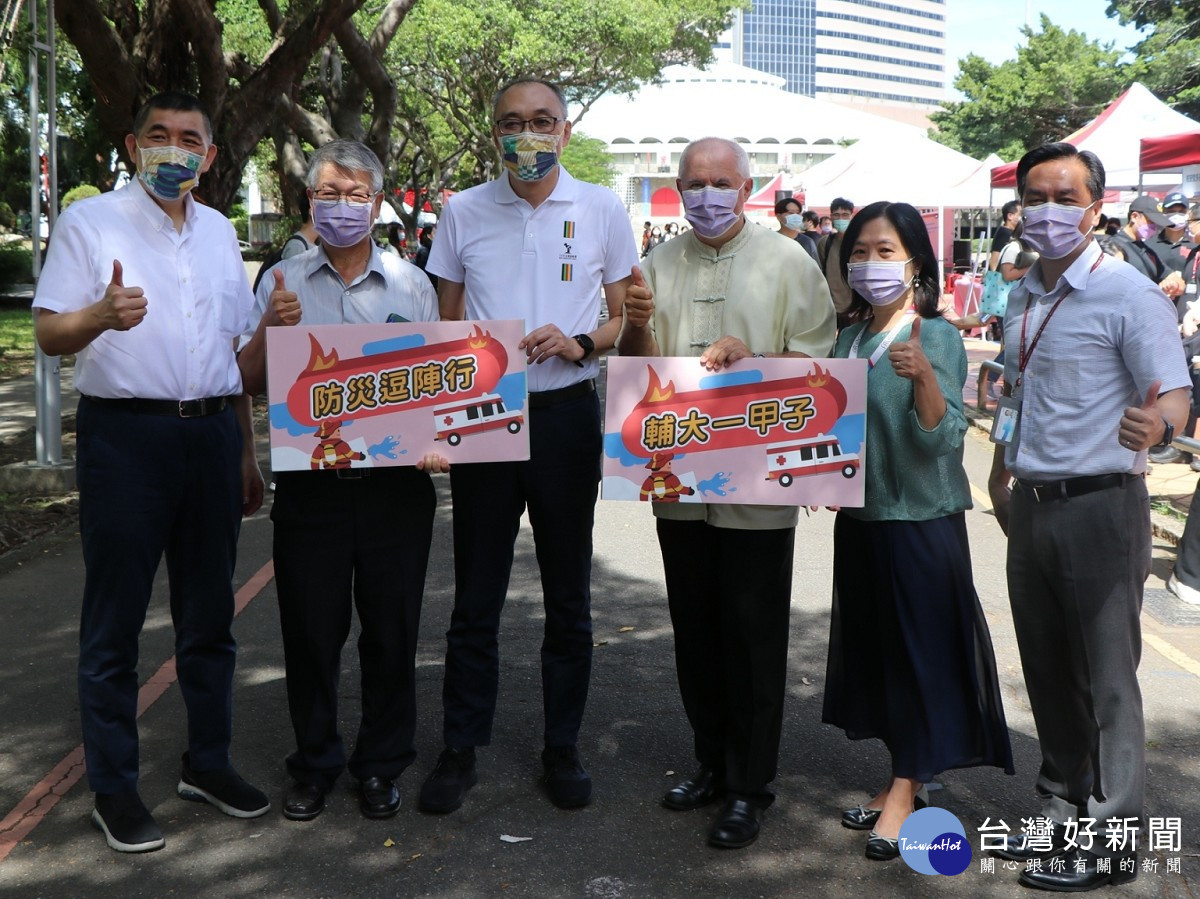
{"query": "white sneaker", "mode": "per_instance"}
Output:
(1188, 594)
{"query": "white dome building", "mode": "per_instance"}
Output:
(783, 133)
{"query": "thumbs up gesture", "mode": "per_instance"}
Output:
(121, 307)
(1142, 426)
(639, 300)
(907, 357)
(283, 304)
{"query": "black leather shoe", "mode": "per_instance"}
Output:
(448, 782)
(736, 826)
(699, 790)
(378, 798)
(862, 818)
(568, 784)
(881, 849)
(1078, 873)
(1018, 847)
(303, 802)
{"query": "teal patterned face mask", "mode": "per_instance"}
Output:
(168, 172)
(530, 156)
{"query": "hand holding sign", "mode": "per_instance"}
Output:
(121, 307)
(284, 304)
(1142, 426)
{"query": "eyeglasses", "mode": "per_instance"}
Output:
(542, 124)
(354, 198)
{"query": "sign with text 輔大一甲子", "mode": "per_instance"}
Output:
(367, 395)
(780, 431)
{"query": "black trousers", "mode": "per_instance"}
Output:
(151, 485)
(341, 541)
(729, 593)
(559, 485)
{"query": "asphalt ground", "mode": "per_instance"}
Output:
(635, 743)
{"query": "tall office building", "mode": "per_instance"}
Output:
(886, 57)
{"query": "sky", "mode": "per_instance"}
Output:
(991, 29)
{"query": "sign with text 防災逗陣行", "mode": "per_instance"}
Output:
(370, 395)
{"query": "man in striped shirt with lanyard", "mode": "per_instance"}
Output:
(1094, 379)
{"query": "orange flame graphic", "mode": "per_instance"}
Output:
(655, 391)
(317, 360)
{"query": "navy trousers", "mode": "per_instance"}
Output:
(338, 542)
(559, 485)
(151, 485)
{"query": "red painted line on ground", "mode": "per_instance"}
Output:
(46, 793)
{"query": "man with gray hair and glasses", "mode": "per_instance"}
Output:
(347, 535)
(534, 244)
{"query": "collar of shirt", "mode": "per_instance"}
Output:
(728, 249)
(155, 215)
(1076, 275)
(319, 261)
(564, 189)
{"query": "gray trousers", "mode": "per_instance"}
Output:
(1187, 563)
(1076, 571)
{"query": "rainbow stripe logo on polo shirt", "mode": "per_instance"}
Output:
(567, 271)
(568, 230)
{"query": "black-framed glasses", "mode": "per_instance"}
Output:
(542, 124)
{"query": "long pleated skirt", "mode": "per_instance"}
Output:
(910, 656)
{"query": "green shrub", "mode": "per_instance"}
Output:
(79, 193)
(16, 265)
(8, 218)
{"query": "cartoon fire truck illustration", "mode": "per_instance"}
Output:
(471, 416)
(812, 455)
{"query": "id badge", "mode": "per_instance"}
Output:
(1004, 425)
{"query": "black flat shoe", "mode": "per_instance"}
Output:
(881, 849)
(737, 825)
(303, 802)
(1079, 873)
(378, 798)
(701, 789)
(862, 818)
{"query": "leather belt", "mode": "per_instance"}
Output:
(542, 398)
(209, 405)
(1050, 491)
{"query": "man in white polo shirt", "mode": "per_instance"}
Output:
(146, 287)
(537, 245)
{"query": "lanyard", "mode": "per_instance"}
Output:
(883, 344)
(1024, 355)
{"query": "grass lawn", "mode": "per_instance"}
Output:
(16, 343)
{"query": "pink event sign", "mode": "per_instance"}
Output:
(360, 396)
(771, 431)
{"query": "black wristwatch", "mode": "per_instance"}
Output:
(589, 347)
(1168, 434)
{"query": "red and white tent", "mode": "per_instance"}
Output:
(1171, 152)
(1115, 136)
(763, 199)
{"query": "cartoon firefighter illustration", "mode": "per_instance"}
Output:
(333, 451)
(662, 486)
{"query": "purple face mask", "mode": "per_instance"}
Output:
(880, 282)
(1146, 230)
(1052, 230)
(710, 209)
(341, 224)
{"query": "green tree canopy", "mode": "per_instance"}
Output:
(587, 159)
(1168, 57)
(1059, 81)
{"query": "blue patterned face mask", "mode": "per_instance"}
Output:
(168, 172)
(529, 155)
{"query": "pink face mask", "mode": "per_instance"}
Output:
(1146, 230)
(1052, 230)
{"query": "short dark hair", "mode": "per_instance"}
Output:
(176, 100)
(841, 203)
(1009, 208)
(910, 227)
(782, 205)
(526, 79)
(1063, 150)
(811, 217)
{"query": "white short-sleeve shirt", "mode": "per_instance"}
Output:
(198, 297)
(543, 265)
